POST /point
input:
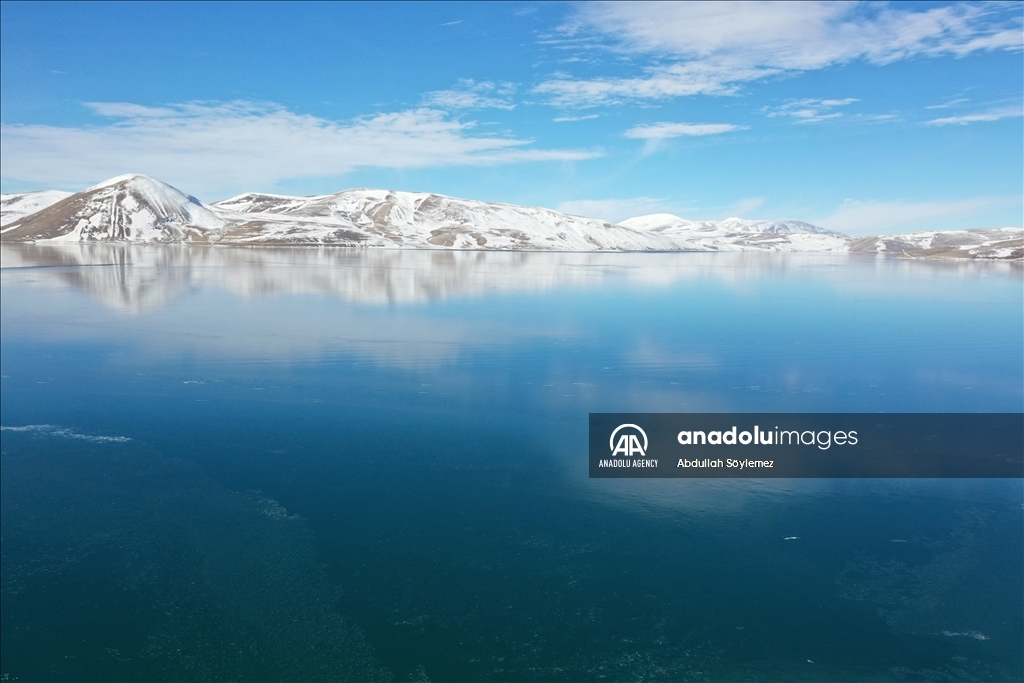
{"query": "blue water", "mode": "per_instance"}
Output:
(345, 465)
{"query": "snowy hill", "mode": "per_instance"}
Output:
(382, 218)
(992, 243)
(16, 206)
(736, 234)
(140, 209)
(129, 208)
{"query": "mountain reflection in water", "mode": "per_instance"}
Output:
(138, 278)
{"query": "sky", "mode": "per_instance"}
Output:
(864, 118)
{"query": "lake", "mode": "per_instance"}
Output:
(317, 464)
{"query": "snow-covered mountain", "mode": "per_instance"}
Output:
(736, 234)
(381, 218)
(16, 206)
(129, 208)
(140, 209)
(990, 243)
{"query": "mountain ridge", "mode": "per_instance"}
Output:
(139, 209)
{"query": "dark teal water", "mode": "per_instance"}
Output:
(331, 465)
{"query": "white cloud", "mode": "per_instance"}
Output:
(662, 131)
(713, 48)
(947, 105)
(614, 210)
(860, 218)
(677, 80)
(468, 94)
(810, 111)
(224, 148)
(127, 110)
(745, 206)
(564, 119)
(990, 115)
(617, 210)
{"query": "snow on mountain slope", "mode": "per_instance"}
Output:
(139, 209)
(129, 208)
(424, 221)
(989, 243)
(737, 234)
(666, 223)
(17, 205)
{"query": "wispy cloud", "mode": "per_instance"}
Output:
(451, 23)
(229, 147)
(127, 110)
(662, 131)
(947, 105)
(676, 80)
(654, 135)
(614, 210)
(990, 115)
(859, 218)
(809, 110)
(564, 119)
(468, 94)
(745, 206)
(713, 48)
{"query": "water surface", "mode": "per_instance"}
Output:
(372, 465)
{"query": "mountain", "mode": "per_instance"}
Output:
(137, 208)
(736, 234)
(140, 209)
(16, 206)
(382, 218)
(989, 243)
(129, 208)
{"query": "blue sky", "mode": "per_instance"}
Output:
(864, 118)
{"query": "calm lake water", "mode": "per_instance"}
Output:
(302, 464)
